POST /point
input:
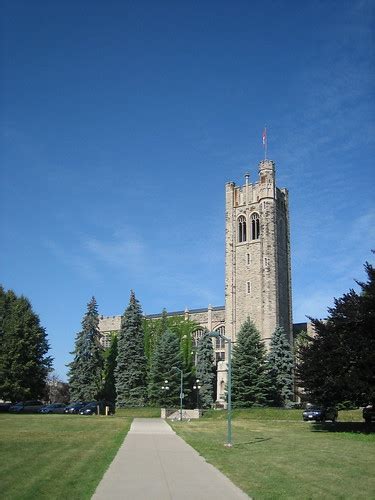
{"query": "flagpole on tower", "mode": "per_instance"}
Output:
(264, 140)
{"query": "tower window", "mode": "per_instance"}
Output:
(248, 259)
(255, 227)
(248, 287)
(241, 229)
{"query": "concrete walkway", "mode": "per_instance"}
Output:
(153, 463)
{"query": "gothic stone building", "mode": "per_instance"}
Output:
(257, 267)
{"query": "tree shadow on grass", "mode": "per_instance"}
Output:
(255, 441)
(354, 427)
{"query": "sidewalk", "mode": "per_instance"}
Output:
(153, 463)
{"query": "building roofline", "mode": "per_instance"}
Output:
(173, 313)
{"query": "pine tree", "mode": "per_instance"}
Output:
(24, 364)
(110, 362)
(205, 370)
(249, 379)
(280, 369)
(131, 369)
(166, 356)
(85, 371)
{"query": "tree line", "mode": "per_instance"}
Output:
(334, 365)
(145, 360)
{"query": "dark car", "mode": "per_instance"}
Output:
(320, 414)
(53, 408)
(368, 414)
(32, 406)
(93, 407)
(74, 407)
(5, 406)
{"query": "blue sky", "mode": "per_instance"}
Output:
(122, 121)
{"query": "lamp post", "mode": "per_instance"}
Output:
(196, 386)
(181, 388)
(165, 388)
(229, 409)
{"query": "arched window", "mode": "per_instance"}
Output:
(197, 335)
(255, 227)
(219, 342)
(241, 229)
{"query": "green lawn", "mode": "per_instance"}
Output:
(146, 412)
(278, 456)
(56, 456)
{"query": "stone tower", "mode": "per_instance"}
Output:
(257, 255)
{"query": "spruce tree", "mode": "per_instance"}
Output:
(249, 379)
(166, 356)
(85, 371)
(131, 369)
(110, 362)
(24, 364)
(205, 370)
(280, 369)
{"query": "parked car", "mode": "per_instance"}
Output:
(5, 406)
(92, 408)
(368, 413)
(320, 414)
(74, 407)
(53, 408)
(26, 407)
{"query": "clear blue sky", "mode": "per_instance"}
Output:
(121, 121)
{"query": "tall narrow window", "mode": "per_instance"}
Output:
(255, 227)
(241, 229)
(248, 259)
(248, 287)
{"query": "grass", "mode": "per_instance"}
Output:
(56, 456)
(278, 456)
(146, 412)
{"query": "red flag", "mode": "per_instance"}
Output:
(264, 136)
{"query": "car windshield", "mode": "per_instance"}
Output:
(315, 408)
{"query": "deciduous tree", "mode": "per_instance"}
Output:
(338, 363)
(24, 364)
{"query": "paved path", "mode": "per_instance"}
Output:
(153, 463)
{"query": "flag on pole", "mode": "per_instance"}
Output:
(264, 136)
(264, 140)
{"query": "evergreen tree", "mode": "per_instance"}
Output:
(205, 370)
(280, 369)
(24, 364)
(338, 363)
(166, 356)
(110, 362)
(249, 378)
(131, 369)
(154, 328)
(85, 371)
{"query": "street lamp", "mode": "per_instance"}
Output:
(196, 386)
(229, 409)
(181, 388)
(165, 388)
